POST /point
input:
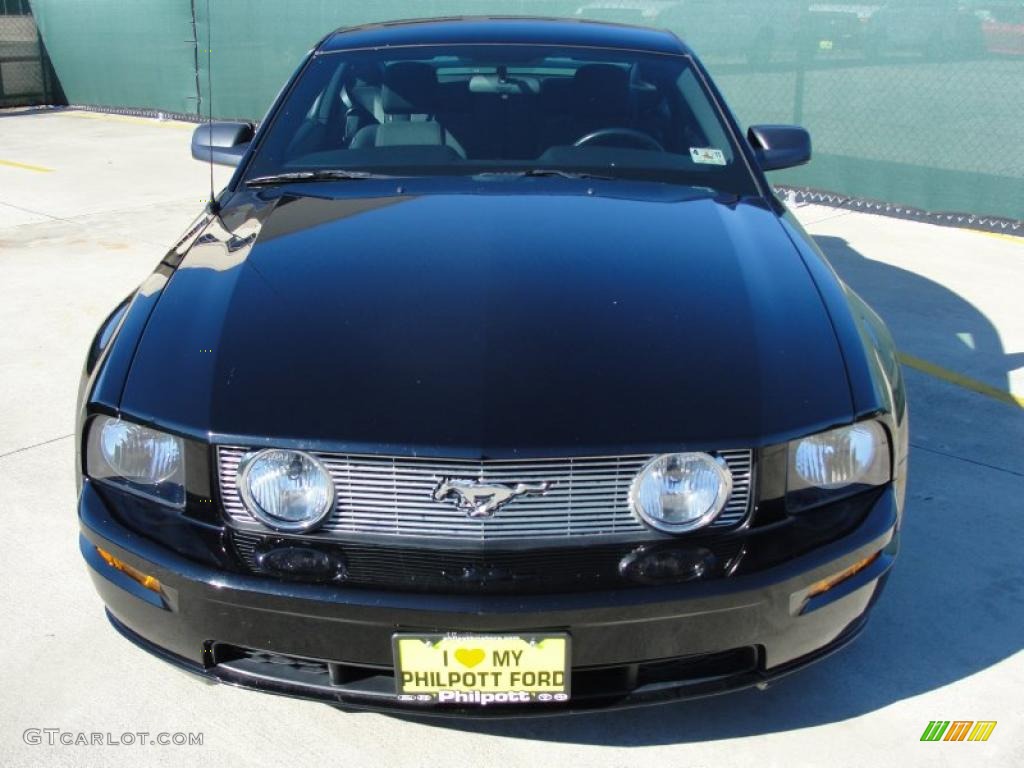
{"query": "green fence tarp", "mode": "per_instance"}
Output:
(918, 102)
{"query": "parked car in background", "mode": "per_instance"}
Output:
(1002, 27)
(497, 380)
(714, 28)
(935, 29)
(839, 27)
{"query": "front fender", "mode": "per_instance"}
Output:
(872, 361)
(113, 347)
(886, 376)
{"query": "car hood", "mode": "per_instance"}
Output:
(539, 320)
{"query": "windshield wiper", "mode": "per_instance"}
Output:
(549, 172)
(321, 175)
(567, 174)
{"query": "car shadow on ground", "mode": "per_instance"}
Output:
(926, 317)
(952, 607)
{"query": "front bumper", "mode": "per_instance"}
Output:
(629, 646)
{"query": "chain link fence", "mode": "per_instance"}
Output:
(25, 74)
(916, 104)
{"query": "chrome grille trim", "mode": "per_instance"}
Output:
(392, 496)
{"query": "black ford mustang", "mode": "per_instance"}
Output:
(497, 381)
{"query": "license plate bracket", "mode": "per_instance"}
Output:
(482, 670)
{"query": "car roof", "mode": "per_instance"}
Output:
(504, 29)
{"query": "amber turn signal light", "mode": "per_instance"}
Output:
(826, 584)
(149, 582)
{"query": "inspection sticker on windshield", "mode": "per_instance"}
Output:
(707, 156)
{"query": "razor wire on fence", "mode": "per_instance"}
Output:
(1000, 225)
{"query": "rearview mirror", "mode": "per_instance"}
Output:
(780, 146)
(222, 143)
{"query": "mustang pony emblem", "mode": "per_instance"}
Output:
(481, 499)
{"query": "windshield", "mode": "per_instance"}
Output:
(474, 109)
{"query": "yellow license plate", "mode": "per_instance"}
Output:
(482, 670)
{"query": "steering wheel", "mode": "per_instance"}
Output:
(639, 137)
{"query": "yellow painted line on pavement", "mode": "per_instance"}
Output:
(25, 166)
(1018, 239)
(964, 382)
(115, 118)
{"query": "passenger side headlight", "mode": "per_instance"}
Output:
(139, 459)
(837, 463)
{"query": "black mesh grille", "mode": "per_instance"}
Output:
(519, 571)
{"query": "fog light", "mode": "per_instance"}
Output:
(679, 492)
(826, 584)
(305, 563)
(665, 566)
(286, 490)
(149, 582)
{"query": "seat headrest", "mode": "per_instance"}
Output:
(409, 134)
(364, 73)
(410, 87)
(601, 89)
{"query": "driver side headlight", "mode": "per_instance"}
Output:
(139, 459)
(837, 463)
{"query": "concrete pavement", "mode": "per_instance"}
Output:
(88, 205)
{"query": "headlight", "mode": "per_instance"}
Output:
(142, 460)
(680, 492)
(286, 490)
(837, 463)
